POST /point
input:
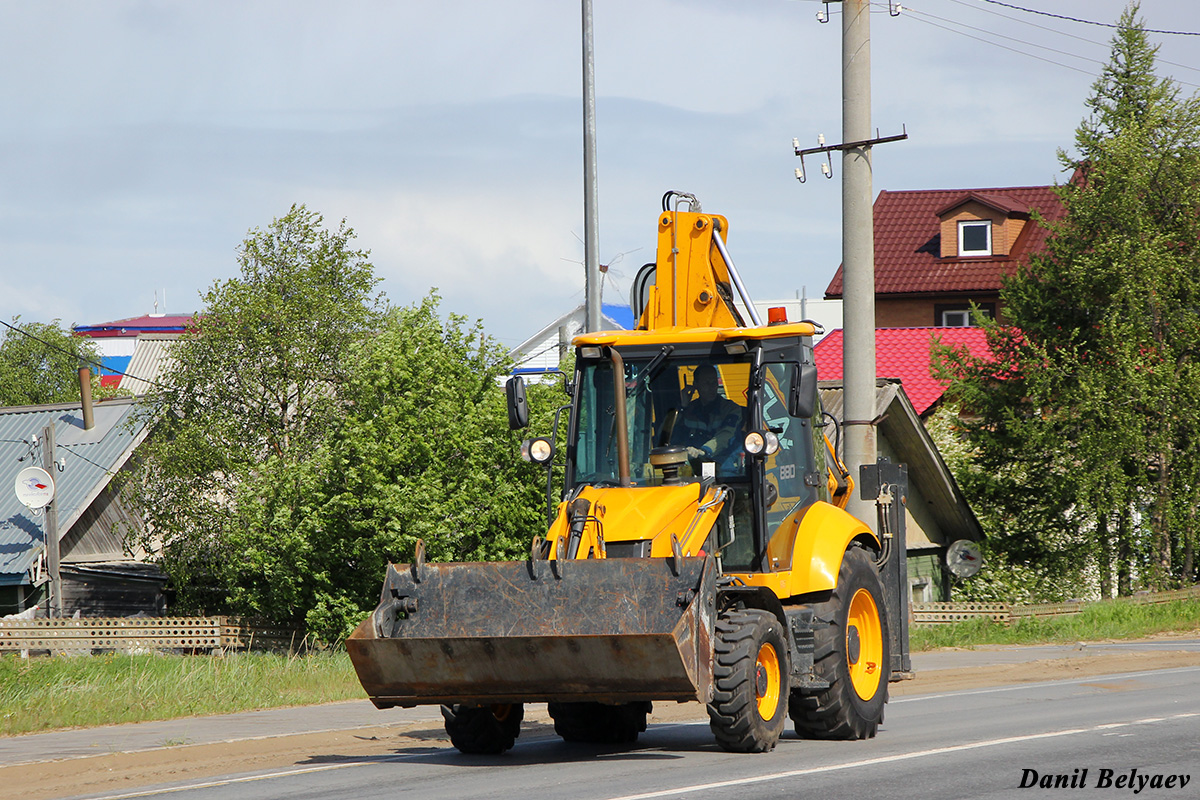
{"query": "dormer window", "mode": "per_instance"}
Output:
(975, 237)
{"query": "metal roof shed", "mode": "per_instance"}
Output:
(92, 522)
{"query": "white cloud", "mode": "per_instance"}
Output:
(142, 138)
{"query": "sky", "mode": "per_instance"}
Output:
(142, 140)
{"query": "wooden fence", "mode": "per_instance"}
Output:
(1006, 614)
(144, 634)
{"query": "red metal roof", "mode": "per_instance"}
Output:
(149, 323)
(908, 240)
(902, 353)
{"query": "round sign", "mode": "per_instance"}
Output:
(964, 558)
(35, 487)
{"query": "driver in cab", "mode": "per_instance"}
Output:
(710, 421)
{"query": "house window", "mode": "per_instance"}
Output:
(975, 237)
(956, 319)
(947, 315)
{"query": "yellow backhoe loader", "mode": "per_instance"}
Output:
(698, 550)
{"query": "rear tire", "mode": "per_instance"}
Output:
(751, 674)
(483, 730)
(851, 653)
(599, 723)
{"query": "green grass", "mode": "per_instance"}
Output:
(39, 694)
(1097, 622)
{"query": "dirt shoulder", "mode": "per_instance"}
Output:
(120, 773)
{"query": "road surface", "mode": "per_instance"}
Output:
(1133, 733)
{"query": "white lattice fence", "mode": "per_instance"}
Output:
(142, 634)
(1004, 613)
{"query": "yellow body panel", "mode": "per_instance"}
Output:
(806, 551)
(640, 513)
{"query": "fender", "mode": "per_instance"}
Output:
(824, 534)
(805, 553)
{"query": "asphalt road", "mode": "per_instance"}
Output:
(979, 743)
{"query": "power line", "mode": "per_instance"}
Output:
(1009, 38)
(996, 44)
(1085, 40)
(1019, 21)
(70, 448)
(927, 18)
(1088, 21)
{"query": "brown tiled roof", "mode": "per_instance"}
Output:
(1001, 203)
(908, 240)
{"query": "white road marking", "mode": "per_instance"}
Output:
(286, 773)
(1018, 686)
(937, 751)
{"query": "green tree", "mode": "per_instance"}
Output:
(1085, 420)
(251, 395)
(310, 435)
(39, 363)
(423, 451)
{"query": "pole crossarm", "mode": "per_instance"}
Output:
(827, 167)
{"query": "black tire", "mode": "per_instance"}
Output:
(483, 730)
(751, 672)
(851, 652)
(599, 723)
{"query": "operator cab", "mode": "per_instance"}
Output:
(737, 416)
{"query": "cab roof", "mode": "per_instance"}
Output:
(661, 336)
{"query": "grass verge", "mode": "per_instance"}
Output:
(38, 694)
(1097, 622)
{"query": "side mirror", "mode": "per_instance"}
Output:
(802, 398)
(518, 409)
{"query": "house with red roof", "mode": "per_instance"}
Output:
(938, 251)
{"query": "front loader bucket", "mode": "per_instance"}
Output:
(609, 630)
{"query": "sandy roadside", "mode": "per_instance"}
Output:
(120, 773)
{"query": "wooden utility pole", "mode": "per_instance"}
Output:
(50, 527)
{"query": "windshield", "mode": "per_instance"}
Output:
(696, 403)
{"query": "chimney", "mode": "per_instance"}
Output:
(85, 392)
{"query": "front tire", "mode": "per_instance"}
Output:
(851, 653)
(599, 723)
(483, 730)
(751, 674)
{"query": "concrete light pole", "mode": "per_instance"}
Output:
(858, 248)
(591, 221)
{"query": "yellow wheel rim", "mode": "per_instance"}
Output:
(864, 644)
(501, 711)
(767, 680)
